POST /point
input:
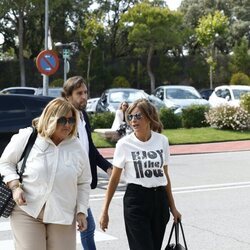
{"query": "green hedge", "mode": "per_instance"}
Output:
(101, 120)
(194, 116)
(169, 119)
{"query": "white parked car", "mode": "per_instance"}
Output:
(228, 94)
(178, 97)
(21, 90)
(53, 92)
(91, 104)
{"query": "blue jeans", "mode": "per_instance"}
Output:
(87, 237)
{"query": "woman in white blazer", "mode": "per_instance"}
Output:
(54, 193)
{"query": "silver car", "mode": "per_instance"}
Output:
(111, 98)
(178, 97)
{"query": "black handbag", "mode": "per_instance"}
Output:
(6, 200)
(176, 245)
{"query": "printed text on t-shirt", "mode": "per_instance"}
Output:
(148, 163)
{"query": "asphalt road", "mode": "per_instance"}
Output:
(211, 191)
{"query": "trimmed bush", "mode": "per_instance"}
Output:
(120, 82)
(101, 120)
(245, 102)
(240, 79)
(228, 117)
(169, 119)
(194, 116)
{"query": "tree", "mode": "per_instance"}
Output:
(210, 28)
(13, 13)
(22, 24)
(116, 37)
(90, 35)
(151, 29)
(240, 60)
(237, 12)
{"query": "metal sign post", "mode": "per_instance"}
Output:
(46, 25)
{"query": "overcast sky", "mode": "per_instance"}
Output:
(173, 4)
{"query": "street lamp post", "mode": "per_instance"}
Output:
(68, 49)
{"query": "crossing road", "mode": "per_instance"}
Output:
(211, 191)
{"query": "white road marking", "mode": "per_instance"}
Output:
(182, 190)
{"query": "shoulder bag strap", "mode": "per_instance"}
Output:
(182, 231)
(171, 232)
(26, 151)
(176, 226)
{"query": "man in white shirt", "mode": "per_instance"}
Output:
(75, 91)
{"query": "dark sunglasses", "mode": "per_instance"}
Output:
(136, 116)
(63, 120)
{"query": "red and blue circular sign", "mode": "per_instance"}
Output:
(47, 62)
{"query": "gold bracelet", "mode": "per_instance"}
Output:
(19, 185)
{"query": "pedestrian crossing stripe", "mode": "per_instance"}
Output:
(9, 244)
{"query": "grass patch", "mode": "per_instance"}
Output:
(203, 135)
(100, 142)
(187, 136)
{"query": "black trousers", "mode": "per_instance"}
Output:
(146, 214)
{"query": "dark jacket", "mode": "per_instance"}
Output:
(95, 158)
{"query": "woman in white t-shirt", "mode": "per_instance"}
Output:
(144, 157)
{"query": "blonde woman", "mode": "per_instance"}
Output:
(56, 181)
(120, 116)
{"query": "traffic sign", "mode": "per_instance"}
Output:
(47, 62)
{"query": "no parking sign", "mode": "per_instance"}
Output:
(47, 62)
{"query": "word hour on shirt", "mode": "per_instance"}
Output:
(148, 163)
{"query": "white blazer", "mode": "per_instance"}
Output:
(58, 177)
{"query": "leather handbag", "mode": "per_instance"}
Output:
(6, 200)
(176, 245)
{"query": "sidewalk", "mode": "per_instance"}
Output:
(216, 147)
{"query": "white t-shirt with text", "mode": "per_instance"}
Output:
(143, 161)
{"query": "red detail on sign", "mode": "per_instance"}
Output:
(47, 62)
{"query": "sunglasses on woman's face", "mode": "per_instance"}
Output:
(64, 120)
(136, 116)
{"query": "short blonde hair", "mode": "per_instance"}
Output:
(149, 111)
(47, 122)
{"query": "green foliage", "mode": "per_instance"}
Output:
(240, 60)
(228, 117)
(169, 119)
(101, 120)
(120, 82)
(152, 25)
(210, 27)
(194, 116)
(240, 79)
(152, 28)
(245, 102)
(57, 83)
(91, 32)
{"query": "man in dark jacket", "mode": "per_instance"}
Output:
(75, 91)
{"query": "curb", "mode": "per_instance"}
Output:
(203, 148)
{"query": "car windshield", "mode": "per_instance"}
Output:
(239, 92)
(129, 96)
(54, 92)
(173, 93)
